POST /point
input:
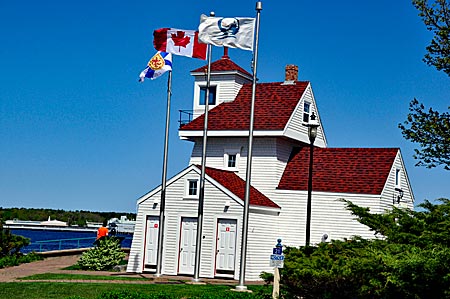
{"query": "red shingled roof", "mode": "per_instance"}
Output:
(340, 170)
(236, 185)
(274, 105)
(224, 64)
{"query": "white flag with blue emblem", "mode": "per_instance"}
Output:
(160, 63)
(227, 32)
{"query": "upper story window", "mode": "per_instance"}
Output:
(231, 159)
(212, 95)
(397, 178)
(306, 111)
(192, 189)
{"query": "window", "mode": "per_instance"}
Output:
(212, 95)
(306, 111)
(192, 188)
(397, 178)
(231, 159)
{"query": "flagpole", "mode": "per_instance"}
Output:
(241, 286)
(201, 198)
(162, 204)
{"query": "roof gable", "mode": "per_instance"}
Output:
(340, 170)
(274, 105)
(236, 185)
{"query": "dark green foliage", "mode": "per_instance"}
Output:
(104, 256)
(267, 277)
(15, 260)
(431, 130)
(11, 244)
(412, 260)
(436, 17)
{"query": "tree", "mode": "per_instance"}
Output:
(10, 244)
(431, 130)
(436, 17)
(411, 260)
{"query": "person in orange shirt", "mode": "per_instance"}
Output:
(102, 231)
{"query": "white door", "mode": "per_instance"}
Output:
(188, 240)
(226, 245)
(151, 240)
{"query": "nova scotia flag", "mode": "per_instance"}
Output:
(160, 63)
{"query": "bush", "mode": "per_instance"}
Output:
(412, 261)
(15, 260)
(102, 257)
(11, 244)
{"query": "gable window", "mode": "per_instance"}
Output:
(231, 159)
(397, 178)
(212, 95)
(306, 111)
(192, 189)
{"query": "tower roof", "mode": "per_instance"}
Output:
(274, 105)
(222, 65)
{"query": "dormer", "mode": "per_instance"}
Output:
(227, 78)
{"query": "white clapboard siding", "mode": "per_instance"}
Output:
(389, 194)
(328, 216)
(227, 88)
(178, 206)
(268, 160)
(296, 128)
(136, 256)
(262, 237)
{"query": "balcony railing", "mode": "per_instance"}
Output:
(186, 117)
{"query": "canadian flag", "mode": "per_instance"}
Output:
(179, 42)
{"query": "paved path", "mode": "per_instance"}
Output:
(48, 265)
(56, 265)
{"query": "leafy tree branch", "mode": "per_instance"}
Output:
(436, 17)
(431, 130)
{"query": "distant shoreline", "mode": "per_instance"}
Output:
(53, 228)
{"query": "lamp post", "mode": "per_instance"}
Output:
(312, 125)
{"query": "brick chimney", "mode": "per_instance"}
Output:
(291, 73)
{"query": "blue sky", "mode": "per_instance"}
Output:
(78, 132)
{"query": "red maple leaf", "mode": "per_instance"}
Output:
(180, 39)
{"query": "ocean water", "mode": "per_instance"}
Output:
(62, 239)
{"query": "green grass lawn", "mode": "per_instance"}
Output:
(61, 290)
(62, 276)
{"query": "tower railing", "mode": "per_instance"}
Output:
(186, 117)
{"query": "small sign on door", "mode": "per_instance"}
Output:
(227, 229)
(155, 225)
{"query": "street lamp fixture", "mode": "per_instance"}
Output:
(312, 125)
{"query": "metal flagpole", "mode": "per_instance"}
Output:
(164, 179)
(201, 197)
(241, 286)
